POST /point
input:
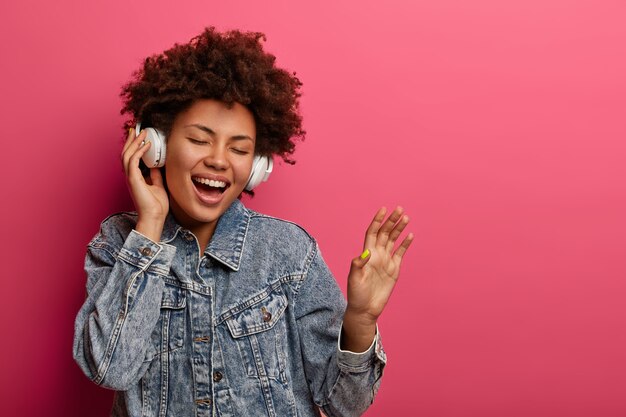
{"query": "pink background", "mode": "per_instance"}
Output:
(499, 125)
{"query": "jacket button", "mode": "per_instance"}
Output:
(146, 252)
(217, 376)
(267, 316)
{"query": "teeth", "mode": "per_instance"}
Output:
(210, 183)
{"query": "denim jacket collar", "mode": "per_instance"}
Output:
(226, 245)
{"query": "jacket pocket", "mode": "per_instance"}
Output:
(258, 327)
(169, 332)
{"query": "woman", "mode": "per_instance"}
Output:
(199, 306)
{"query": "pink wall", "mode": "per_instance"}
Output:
(498, 125)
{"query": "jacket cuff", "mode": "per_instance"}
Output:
(359, 362)
(142, 252)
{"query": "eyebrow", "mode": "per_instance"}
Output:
(212, 133)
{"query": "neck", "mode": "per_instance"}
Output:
(203, 234)
(203, 231)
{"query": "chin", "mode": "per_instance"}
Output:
(207, 215)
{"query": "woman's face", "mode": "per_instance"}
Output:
(210, 151)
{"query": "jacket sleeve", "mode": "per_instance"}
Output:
(342, 383)
(124, 290)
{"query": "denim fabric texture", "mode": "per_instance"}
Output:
(248, 328)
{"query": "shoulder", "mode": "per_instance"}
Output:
(283, 236)
(279, 227)
(114, 230)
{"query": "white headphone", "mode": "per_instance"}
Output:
(155, 157)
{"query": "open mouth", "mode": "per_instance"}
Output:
(210, 188)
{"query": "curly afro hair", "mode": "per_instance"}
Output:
(230, 67)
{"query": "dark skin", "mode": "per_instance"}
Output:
(372, 276)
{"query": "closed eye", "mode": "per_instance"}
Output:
(240, 151)
(197, 141)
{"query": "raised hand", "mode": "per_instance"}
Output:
(149, 195)
(373, 276)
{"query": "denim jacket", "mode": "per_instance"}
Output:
(248, 328)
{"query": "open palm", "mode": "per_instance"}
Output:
(374, 275)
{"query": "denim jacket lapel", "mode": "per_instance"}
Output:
(226, 245)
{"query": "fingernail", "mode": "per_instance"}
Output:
(365, 254)
(130, 129)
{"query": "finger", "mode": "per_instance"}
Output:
(399, 253)
(372, 230)
(385, 230)
(133, 138)
(129, 138)
(396, 231)
(131, 147)
(132, 169)
(360, 261)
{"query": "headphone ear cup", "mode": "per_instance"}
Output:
(261, 169)
(155, 156)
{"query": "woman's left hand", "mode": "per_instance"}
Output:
(374, 274)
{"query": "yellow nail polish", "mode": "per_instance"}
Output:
(365, 254)
(130, 129)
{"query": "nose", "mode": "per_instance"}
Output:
(216, 157)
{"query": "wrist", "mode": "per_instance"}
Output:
(359, 316)
(358, 332)
(150, 228)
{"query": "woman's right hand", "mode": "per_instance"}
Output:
(149, 195)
